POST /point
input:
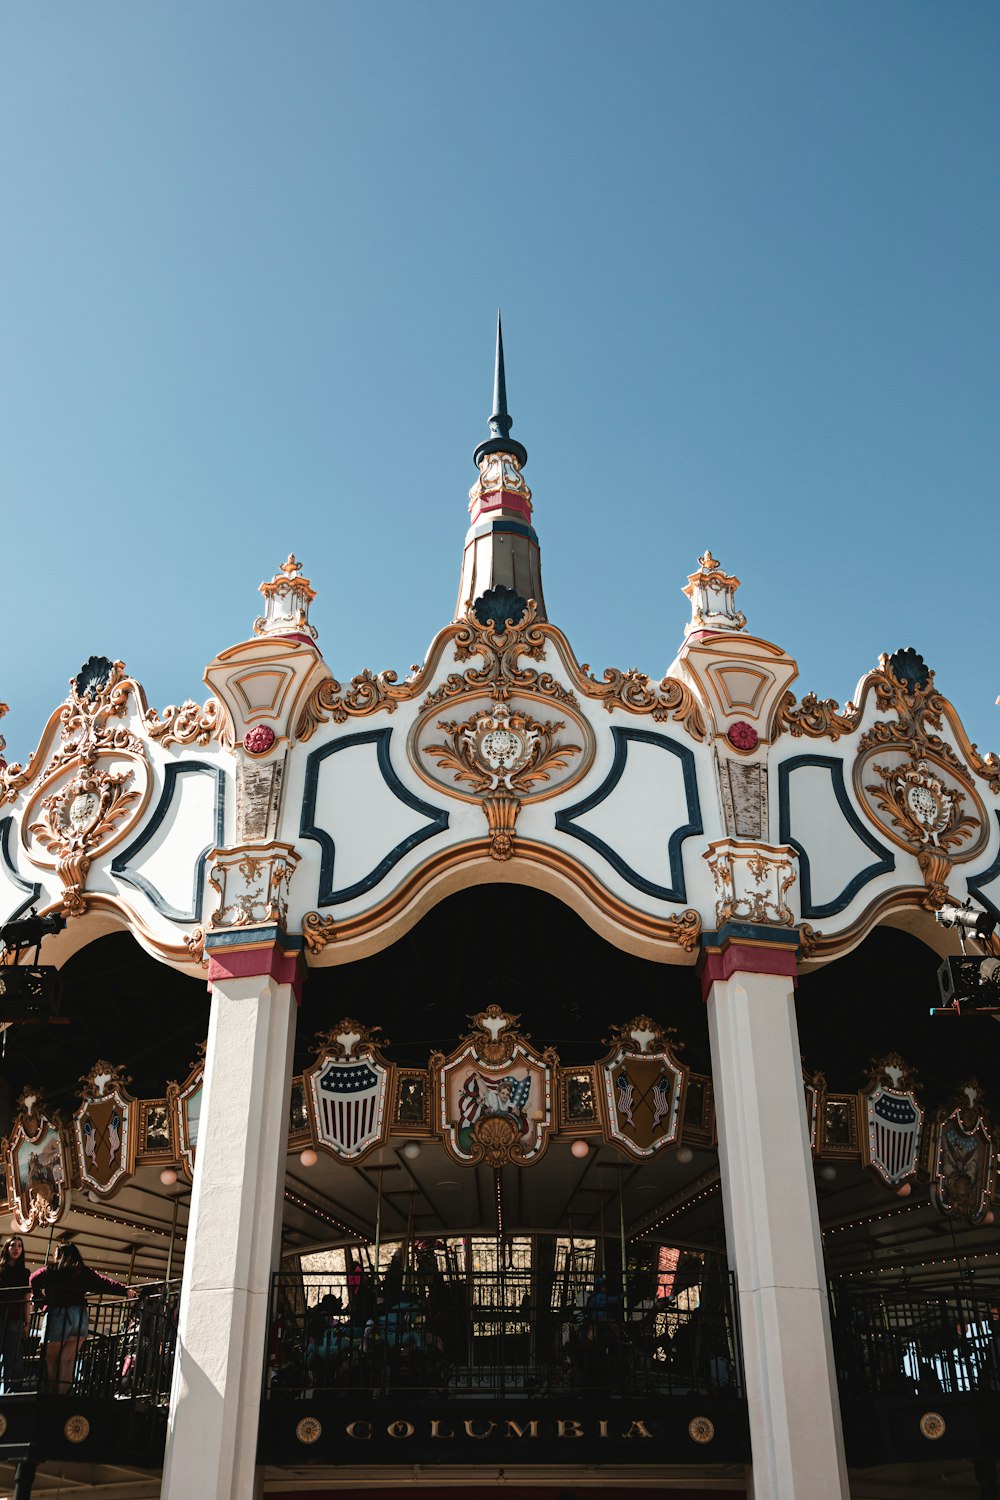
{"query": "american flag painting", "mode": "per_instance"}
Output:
(349, 1100)
(893, 1133)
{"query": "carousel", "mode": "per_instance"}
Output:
(506, 1075)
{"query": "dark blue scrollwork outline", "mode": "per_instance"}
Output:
(438, 818)
(881, 867)
(32, 887)
(677, 890)
(975, 886)
(139, 882)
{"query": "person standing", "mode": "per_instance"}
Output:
(14, 1309)
(61, 1288)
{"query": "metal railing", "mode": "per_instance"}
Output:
(909, 1342)
(509, 1332)
(127, 1354)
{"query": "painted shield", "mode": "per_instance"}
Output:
(894, 1121)
(348, 1098)
(37, 1175)
(104, 1129)
(642, 1094)
(962, 1172)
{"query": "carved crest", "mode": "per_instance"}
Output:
(36, 1165)
(494, 1093)
(348, 1089)
(643, 1087)
(104, 1129)
(963, 1159)
(893, 1121)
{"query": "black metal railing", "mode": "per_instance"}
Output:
(507, 1332)
(127, 1354)
(912, 1342)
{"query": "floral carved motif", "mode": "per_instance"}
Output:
(252, 885)
(318, 930)
(188, 723)
(502, 748)
(751, 883)
(922, 806)
(76, 819)
(99, 694)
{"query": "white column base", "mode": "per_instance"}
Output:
(775, 1249)
(233, 1243)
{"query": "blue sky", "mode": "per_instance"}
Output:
(748, 260)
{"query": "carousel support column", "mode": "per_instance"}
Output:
(234, 1232)
(772, 1223)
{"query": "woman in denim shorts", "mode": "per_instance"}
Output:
(61, 1290)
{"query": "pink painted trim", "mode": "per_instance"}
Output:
(746, 958)
(266, 962)
(501, 500)
(294, 635)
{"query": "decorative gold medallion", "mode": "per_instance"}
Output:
(309, 1430)
(933, 1425)
(77, 1429)
(701, 1429)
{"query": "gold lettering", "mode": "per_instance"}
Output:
(638, 1429)
(569, 1429)
(436, 1429)
(352, 1432)
(400, 1429)
(602, 1424)
(470, 1424)
(514, 1429)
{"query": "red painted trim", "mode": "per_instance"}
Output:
(742, 958)
(502, 500)
(247, 963)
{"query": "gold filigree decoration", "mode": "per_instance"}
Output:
(98, 694)
(349, 1038)
(926, 811)
(816, 718)
(502, 749)
(318, 930)
(103, 1076)
(189, 723)
(496, 1142)
(891, 1072)
(502, 671)
(194, 942)
(809, 939)
(635, 692)
(501, 811)
(495, 1034)
(643, 1034)
(76, 819)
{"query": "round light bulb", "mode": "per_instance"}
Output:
(411, 1150)
(685, 1154)
(168, 1176)
(989, 1217)
(904, 1191)
(308, 1157)
(580, 1149)
(827, 1172)
(92, 1196)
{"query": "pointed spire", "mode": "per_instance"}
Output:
(500, 440)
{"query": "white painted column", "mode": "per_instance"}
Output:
(234, 1238)
(772, 1228)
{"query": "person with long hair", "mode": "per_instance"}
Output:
(14, 1309)
(61, 1288)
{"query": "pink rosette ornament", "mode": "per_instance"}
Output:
(742, 736)
(259, 739)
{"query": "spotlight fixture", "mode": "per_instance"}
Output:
(29, 991)
(970, 981)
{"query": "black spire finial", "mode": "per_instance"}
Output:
(500, 440)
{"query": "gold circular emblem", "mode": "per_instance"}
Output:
(3, 1424)
(701, 1429)
(932, 1425)
(77, 1429)
(308, 1430)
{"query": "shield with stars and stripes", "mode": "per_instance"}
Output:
(894, 1120)
(349, 1104)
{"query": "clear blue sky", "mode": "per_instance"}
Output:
(748, 256)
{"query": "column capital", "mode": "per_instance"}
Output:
(749, 948)
(250, 952)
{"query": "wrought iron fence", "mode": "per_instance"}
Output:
(912, 1342)
(127, 1353)
(509, 1330)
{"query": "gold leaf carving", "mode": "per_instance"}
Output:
(188, 723)
(317, 931)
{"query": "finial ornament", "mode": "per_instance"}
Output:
(500, 440)
(713, 598)
(286, 603)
